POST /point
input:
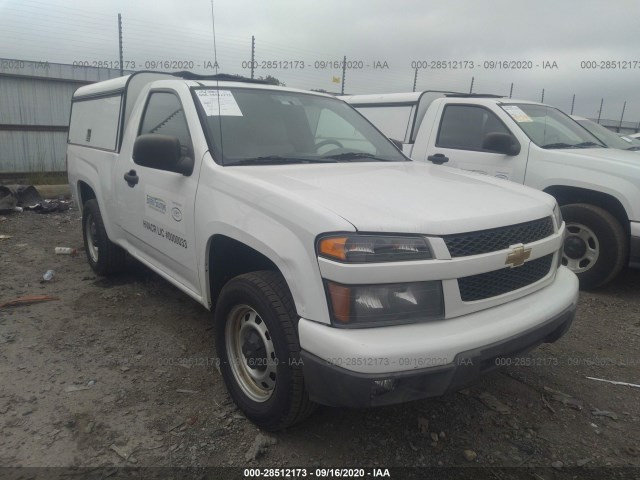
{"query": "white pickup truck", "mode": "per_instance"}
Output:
(339, 271)
(537, 145)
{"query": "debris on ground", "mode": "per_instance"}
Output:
(469, 455)
(5, 237)
(604, 413)
(564, 398)
(260, 446)
(28, 300)
(613, 382)
(12, 196)
(557, 465)
(423, 425)
(124, 453)
(493, 403)
(48, 276)
(184, 390)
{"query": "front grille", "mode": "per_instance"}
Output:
(484, 241)
(492, 284)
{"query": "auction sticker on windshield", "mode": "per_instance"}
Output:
(516, 113)
(219, 103)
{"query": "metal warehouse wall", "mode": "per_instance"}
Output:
(35, 99)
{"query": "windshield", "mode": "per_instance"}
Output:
(606, 136)
(549, 128)
(259, 126)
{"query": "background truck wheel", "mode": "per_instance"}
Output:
(104, 256)
(259, 352)
(595, 247)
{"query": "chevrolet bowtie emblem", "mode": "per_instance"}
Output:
(517, 256)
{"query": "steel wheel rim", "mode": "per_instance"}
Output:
(244, 324)
(592, 248)
(91, 233)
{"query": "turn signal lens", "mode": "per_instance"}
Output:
(371, 249)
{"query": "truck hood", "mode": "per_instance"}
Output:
(624, 162)
(403, 197)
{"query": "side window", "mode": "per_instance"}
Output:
(164, 115)
(464, 127)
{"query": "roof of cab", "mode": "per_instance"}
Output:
(118, 85)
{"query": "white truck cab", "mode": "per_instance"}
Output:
(534, 144)
(338, 270)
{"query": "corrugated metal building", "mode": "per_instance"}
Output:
(35, 98)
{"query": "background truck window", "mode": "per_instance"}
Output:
(464, 127)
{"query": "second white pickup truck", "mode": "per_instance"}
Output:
(534, 144)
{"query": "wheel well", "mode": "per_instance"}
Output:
(566, 195)
(86, 193)
(229, 258)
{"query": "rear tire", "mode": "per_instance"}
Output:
(104, 256)
(596, 246)
(257, 344)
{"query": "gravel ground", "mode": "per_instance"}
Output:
(98, 378)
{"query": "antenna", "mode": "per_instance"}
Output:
(213, 30)
(215, 64)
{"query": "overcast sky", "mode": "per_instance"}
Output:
(373, 32)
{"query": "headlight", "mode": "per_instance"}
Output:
(370, 248)
(377, 305)
(557, 214)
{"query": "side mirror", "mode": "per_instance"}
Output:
(161, 152)
(397, 143)
(499, 142)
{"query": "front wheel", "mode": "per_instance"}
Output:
(595, 246)
(259, 352)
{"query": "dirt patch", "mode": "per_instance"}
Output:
(121, 372)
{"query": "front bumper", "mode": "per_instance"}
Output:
(335, 386)
(386, 365)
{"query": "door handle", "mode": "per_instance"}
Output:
(438, 158)
(131, 177)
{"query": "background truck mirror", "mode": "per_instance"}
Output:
(500, 142)
(162, 152)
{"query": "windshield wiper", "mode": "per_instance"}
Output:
(278, 160)
(557, 145)
(587, 145)
(348, 156)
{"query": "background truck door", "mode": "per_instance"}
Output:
(462, 135)
(158, 209)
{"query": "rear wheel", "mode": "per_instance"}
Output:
(595, 247)
(104, 256)
(259, 352)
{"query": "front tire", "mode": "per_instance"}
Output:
(104, 256)
(259, 352)
(595, 247)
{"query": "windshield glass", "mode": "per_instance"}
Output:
(549, 128)
(606, 136)
(259, 126)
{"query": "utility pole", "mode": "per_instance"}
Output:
(542, 99)
(253, 54)
(344, 69)
(415, 80)
(120, 44)
(511, 90)
(600, 111)
(622, 116)
(573, 102)
(471, 87)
